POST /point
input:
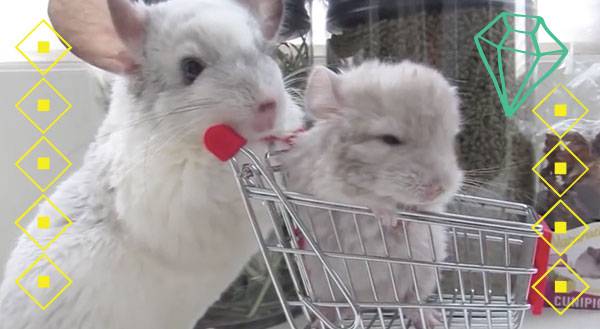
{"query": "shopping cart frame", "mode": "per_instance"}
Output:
(257, 182)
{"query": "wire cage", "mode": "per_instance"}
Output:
(482, 283)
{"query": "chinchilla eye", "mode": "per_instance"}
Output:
(191, 69)
(390, 140)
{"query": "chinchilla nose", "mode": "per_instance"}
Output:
(267, 106)
(266, 113)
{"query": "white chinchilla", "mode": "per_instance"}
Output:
(383, 138)
(159, 226)
(587, 264)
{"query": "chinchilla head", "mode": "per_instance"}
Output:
(185, 64)
(390, 132)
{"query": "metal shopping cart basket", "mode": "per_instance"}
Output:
(484, 283)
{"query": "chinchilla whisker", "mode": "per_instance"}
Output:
(290, 88)
(456, 80)
(476, 187)
(143, 120)
(484, 170)
(297, 75)
(175, 111)
(468, 180)
(296, 72)
(478, 190)
(511, 165)
(173, 133)
(488, 172)
(296, 98)
(474, 181)
(176, 133)
(482, 175)
(497, 185)
(293, 81)
(470, 188)
(465, 186)
(295, 91)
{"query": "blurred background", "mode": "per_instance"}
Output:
(337, 33)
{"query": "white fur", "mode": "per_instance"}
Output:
(159, 227)
(342, 158)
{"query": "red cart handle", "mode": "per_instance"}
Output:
(222, 141)
(542, 254)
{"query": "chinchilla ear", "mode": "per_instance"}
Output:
(321, 97)
(108, 34)
(269, 14)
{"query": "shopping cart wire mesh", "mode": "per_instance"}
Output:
(482, 283)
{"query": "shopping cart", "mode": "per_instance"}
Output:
(484, 283)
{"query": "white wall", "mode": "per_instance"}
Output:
(71, 135)
(17, 18)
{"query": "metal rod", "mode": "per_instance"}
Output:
(507, 227)
(283, 199)
(444, 219)
(442, 265)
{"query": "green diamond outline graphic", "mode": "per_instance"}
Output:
(510, 108)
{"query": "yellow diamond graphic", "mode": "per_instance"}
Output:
(43, 281)
(561, 286)
(31, 168)
(37, 42)
(561, 205)
(576, 172)
(43, 105)
(43, 222)
(560, 104)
